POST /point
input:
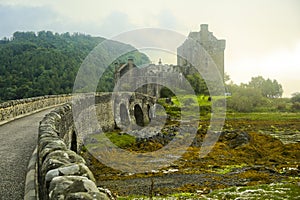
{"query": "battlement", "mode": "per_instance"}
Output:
(204, 27)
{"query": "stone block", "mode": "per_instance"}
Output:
(67, 154)
(73, 187)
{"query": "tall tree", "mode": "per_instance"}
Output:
(269, 88)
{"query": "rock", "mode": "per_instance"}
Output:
(107, 192)
(67, 154)
(239, 139)
(69, 170)
(90, 140)
(74, 187)
(50, 147)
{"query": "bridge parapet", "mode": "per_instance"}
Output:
(13, 109)
(62, 174)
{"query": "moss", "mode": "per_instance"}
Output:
(223, 163)
(253, 175)
(121, 140)
(228, 168)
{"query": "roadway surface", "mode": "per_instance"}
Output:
(18, 139)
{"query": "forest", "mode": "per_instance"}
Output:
(46, 63)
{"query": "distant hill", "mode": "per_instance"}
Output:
(47, 63)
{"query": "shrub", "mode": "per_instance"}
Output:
(282, 107)
(295, 97)
(245, 100)
(296, 106)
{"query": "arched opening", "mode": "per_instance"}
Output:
(124, 115)
(138, 114)
(149, 112)
(74, 142)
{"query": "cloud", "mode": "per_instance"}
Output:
(24, 19)
(114, 24)
(167, 20)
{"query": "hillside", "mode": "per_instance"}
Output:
(46, 63)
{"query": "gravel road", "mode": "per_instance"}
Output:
(18, 140)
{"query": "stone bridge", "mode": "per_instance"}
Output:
(55, 171)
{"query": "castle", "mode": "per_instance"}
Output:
(213, 47)
(143, 79)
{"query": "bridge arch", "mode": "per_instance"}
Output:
(138, 115)
(149, 112)
(124, 117)
(73, 142)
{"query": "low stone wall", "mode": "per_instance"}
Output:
(17, 108)
(62, 174)
(59, 172)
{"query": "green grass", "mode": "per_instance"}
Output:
(119, 139)
(271, 116)
(171, 197)
(272, 191)
(277, 191)
(227, 168)
(189, 104)
(193, 100)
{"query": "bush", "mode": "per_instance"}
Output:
(245, 100)
(282, 107)
(295, 97)
(296, 106)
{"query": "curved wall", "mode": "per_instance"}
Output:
(56, 170)
(13, 109)
(62, 174)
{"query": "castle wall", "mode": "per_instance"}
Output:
(212, 50)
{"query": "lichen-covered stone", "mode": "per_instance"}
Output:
(53, 163)
(15, 108)
(67, 154)
(62, 173)
(53, 146)
(74, 187)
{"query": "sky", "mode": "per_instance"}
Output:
(262, 36)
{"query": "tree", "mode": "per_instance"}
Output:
(226, 77)
(47, 63)
(268, 88)
(198, 83)
(295, 97)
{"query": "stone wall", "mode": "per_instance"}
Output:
(17, 108)
(62, 174)
(108, 112)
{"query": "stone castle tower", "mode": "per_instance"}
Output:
(214, 47)
(211, 52)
